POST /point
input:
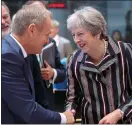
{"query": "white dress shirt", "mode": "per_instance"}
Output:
(23, 50)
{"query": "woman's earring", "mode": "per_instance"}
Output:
(98, 36)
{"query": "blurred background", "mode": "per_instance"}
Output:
(116, 13)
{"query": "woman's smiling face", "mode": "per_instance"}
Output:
(84, 39)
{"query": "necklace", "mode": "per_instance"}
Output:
(105, 47)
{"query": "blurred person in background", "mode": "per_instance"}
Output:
(128, 35)
(17, 82)
(99, 73)
(6, 20)
(63, 44)
(117, 36)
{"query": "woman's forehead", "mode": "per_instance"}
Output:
(78, 29)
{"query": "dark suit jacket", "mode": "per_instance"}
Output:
(17, 89)
(39, 84)
(61, 72)
(61, 75)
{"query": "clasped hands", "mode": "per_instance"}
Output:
(47, 73)
(70, 116)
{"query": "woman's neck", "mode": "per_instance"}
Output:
(99, 52)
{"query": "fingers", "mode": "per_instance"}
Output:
(73, 111)
(46, 77)
(69, 117)
(46, 63)
(102, 121)
(45, 72)
(44, 69)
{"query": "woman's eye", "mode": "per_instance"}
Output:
(80, 34)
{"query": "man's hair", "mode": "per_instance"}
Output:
(55, 23)
(4, 4)
(27, 15)
(29, 2)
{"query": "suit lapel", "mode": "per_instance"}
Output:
(28, 74)
(27, 70)
(14, 45)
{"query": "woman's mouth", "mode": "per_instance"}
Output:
(81, 45)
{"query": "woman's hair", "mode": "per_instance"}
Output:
(90, 19)
(128, 35)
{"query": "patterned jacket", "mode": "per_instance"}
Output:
(101, 88)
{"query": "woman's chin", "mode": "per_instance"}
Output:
(84, 50)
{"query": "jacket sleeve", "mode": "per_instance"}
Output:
(59, 67)
(17, 95)
(126, 107)
(73, 94)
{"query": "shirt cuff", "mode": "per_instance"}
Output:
(63, 118)
(55, 75)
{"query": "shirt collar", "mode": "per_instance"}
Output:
(23, 50)
(56, 38)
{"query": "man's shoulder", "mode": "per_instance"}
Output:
(6, 48)
(8, 53)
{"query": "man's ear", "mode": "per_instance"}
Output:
(31, 29)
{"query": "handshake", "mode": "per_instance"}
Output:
(70, 116)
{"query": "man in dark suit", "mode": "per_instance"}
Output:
(30, 31)
(63, 44)
(40, 88)
(53, 72)
(39, 85)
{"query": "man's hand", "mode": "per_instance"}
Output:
(73, 112)
(111, 118)
(47, 72)
(69, 117)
